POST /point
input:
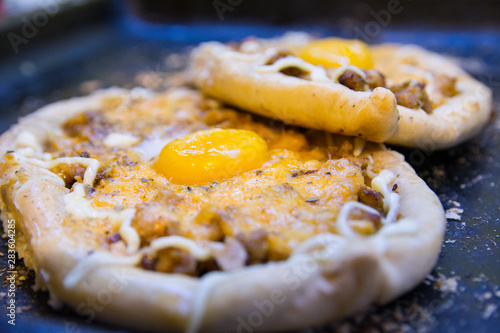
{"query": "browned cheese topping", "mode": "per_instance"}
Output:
(254, 217)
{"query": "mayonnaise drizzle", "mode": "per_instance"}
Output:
(94, 260)
(318, 74)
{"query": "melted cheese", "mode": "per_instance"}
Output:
(151, 148)
(391, 199)
(317, 73)
(127, 232)
(26, 139)
(342, 220)
(369, 168)
(92, 165)
(120, 140)
(198, 252)
(79, 207)
(359, 146)
(327, 242)
(205, 286)
(94, 260)
(342, 69)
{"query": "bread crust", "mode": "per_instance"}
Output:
(307, 289)
(233, 77)
(456, 120)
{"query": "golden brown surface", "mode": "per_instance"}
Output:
(295, 195)
(411, 97)
(321, 281)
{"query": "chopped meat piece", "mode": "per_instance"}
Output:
(101, 175)
(256, 245)
(353, 80)
(290, 71)
(340, 151)
(294, 71)
(208, 223)
(148, 262)
(116, 237)
(446, 85)
(411, 94)
(89, 125)
(75, 125)
(172, 260)
(206, 266)
(161, 217)
(126, 161)
(231, 256)
(365, 222)
(152, 220)
(360, 214)
(374, 79)
(89, 191)
(356, 82)
(371, 198)
(70, 173)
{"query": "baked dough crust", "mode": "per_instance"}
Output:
(314, 287)
(457, 119)
(233, 77)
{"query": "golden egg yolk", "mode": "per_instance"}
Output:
(205, 156)
(335, 52)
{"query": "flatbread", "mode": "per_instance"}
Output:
(455, 119)
(248, 76)
(243, 80)
(328, 276)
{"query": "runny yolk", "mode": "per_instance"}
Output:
(205, 156)
(335, 52)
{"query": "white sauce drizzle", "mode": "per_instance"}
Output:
(342, 69)
(328, 242)
(77, 205)
(180, 242)
(318, 74)
(91, 164)
(343, 225)
(359, 146)
(391, 199)
(369, 167)
(206, 285)
(94, 260)
(26, 139)
(127, 232)
(123, 140)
